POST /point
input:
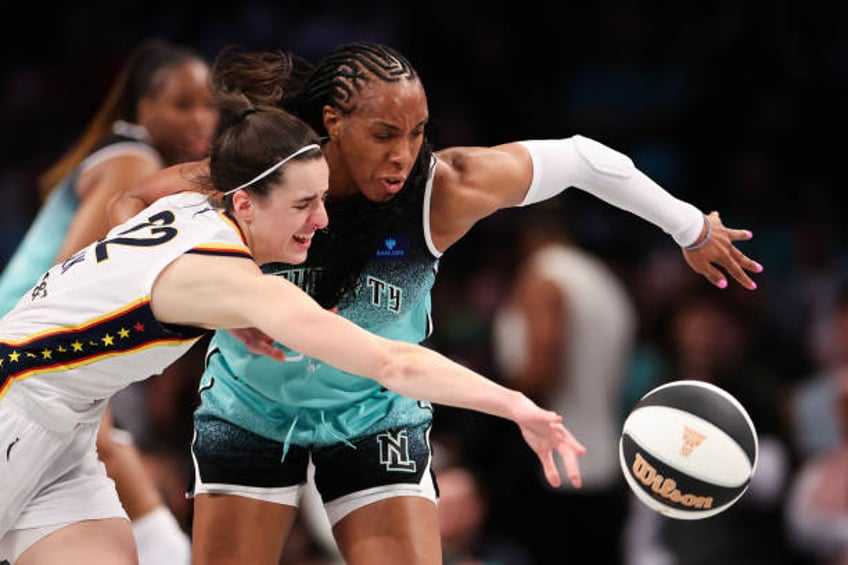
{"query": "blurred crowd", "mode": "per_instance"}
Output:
(726, 105)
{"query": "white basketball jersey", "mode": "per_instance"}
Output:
(86, 329)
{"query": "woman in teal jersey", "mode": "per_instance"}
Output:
(158, 112)
(395, 206)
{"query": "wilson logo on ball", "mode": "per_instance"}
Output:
(666, 488)
(688, 449)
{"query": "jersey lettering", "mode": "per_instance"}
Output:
(394, 451)
(40, 290)
(159, 225)
(305, 279)
(384, 294)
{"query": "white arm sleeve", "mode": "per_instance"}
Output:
(611, 176)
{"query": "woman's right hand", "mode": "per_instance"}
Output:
(544, 432)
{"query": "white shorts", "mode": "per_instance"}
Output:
(48, 479)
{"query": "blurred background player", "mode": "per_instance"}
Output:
(564, 336)
(158, 112)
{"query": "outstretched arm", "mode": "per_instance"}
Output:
(214, 292)
(473, 182)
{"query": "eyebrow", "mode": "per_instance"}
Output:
(393, 127)
(306, 199)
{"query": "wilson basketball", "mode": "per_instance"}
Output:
(688, 449)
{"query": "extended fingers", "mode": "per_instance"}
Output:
(735, 270)
(739, 235)
(723, 253)
(713, 275)
(265, 347)
(571, 442)
(270, 351)
(746, 262)
(569, 449)
(550, 468)
(572, 467)
(736, 263)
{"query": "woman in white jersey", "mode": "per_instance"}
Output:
(158, 112)
(127, 306)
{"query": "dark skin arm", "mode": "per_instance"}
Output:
(137, 196)
(544, 308)
(474, 182)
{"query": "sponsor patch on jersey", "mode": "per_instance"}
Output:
(393, 247)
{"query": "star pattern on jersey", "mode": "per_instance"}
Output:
(98, 343)
(76, 346)
(58, 350)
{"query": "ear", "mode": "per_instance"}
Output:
(332, 121)
(242, 205)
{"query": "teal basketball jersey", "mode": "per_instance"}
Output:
(307, 402)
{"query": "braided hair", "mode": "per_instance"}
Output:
(356, 223)
(304, 89)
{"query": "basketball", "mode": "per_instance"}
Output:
(688, 449)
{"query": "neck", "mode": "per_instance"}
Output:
(244, 228)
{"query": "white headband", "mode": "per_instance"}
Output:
(273, 168)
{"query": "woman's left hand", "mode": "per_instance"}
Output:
(720, 251)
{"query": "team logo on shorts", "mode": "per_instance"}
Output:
(394, 451)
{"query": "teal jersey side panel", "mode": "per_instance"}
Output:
(303, 400)
(37, 250)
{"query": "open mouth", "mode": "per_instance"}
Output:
(393, 185)
(303, 239)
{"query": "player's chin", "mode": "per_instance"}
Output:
(297, 252)
(295, 258)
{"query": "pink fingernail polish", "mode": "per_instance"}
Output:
(722, 284)
(753, 286)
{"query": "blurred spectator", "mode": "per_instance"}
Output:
(815, 402)
(463, 512)
(564, 336)
(817, 509)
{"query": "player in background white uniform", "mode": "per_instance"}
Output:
(564, 336)
(127, 306)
